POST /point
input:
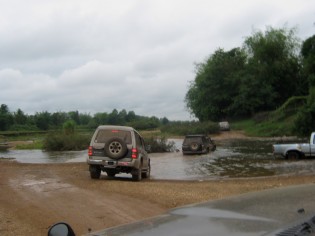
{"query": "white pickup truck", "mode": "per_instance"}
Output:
(296, 151)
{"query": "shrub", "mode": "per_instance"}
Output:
(69, 127)
(63, 142)
(160, 144)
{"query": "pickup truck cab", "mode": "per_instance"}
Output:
(296, 151)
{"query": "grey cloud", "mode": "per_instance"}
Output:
(134, 55)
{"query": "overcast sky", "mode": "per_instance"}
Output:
(97, 55)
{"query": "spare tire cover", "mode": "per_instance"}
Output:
(194, 146)
(115, 148)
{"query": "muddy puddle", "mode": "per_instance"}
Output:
(232, 159)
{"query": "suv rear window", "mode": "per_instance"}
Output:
(189, 140)
(104, 135)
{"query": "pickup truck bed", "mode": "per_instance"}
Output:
(296, 151)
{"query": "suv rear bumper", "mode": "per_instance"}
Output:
(195, 152)
(114, 163)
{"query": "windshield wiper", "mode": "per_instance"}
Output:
(306, 228)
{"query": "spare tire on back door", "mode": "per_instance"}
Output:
(115, 148)
(194, 146)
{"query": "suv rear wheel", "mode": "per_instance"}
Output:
(147, 174)
(95, 171)
(137, 174)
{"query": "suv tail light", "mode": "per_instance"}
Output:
(134, 153)
(90, 151)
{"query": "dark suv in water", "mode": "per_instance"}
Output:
(197, 144)
(118, 149)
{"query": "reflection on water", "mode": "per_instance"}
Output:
(235, 158)
(39, 156)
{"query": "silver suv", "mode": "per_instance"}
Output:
(118, 149)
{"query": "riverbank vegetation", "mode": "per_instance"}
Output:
(271, 76)
(20, 122)
(280, 122)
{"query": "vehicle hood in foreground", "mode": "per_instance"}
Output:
(268, 212)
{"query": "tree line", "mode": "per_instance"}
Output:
(263, 73)
(18, 121)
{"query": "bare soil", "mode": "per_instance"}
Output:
(34, 196)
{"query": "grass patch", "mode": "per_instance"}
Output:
(38, 144)
(147, 134)
(267, 128)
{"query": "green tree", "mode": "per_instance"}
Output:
(6, 118)
(308, 54)
(113, 118)
(43, 120)
(85, 119)
(273, 69)
(164, 121)
(74, 115)
(19, 117)
(260, 76)
(305, 120)
(58, 118)
(216, 84)
(131, 116)
(122, 117)
(100, 118)
(22, 121)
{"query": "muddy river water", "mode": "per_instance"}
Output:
(233, 158)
